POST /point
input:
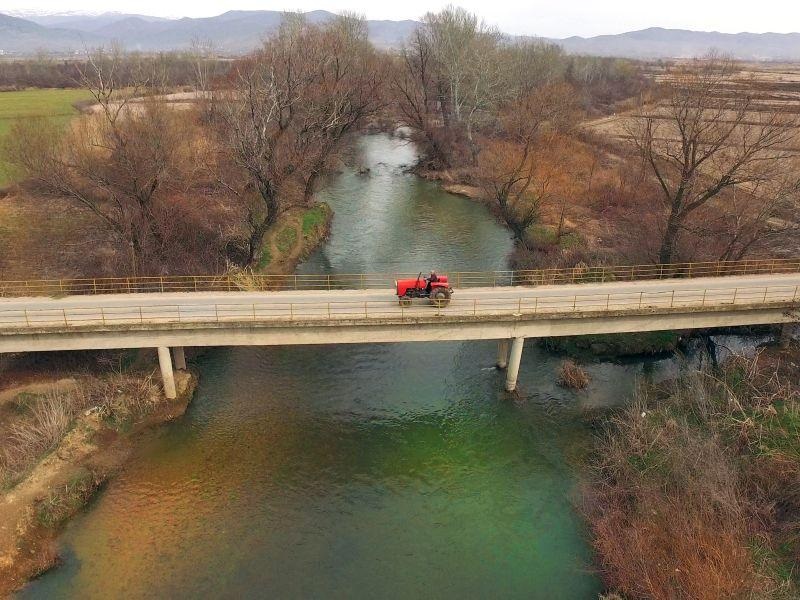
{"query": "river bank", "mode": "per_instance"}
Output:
(693, 489)
(85, 427)
(296, 235)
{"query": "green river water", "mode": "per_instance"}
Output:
(358, 471)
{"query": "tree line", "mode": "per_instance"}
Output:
(192, 190)
(169, 68)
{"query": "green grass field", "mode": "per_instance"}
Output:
(53, 103)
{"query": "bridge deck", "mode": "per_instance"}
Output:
(18, 315)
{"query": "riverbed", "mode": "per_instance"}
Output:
(355, 471)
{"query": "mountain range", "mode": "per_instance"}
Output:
(657, 42)
(236, 32)
(233, 32)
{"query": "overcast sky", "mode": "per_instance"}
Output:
(552, 18)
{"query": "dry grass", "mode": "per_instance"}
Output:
(694, 489)
(572, 376)
(42, 237)
(43, 420)
(64, 501)
(245, 280)
(49, 418)
(123, 399)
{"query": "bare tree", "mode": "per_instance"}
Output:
(701, 143)
(469, 67)
(508, 166)
(533, 64)
(204, 70)
(118, 163)
(349, 90)
(452, 75)
(487, 86)
(415, 82)
(291, 105)
(202, 54)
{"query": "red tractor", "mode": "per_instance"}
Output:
(434, 287)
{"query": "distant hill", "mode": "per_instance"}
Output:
(238, 31)
(21, 35)
(680, 43)
(233, 32)
(83, 22)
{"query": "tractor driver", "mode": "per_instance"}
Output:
(432, 278)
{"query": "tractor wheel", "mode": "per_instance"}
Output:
(440, 298)
(405, 302)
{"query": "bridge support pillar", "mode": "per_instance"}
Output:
(179, 357)
(502, 354)
(513, 363)
(167, 376)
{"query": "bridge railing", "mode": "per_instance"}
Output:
(458, 279)
(661, 301)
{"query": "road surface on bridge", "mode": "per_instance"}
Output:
(121, 309)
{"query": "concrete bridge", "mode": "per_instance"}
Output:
(507, 313)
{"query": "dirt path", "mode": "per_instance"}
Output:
(281, 260)
(42, 387)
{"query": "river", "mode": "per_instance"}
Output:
(353, 471)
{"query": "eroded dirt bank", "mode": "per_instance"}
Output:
(36, 501)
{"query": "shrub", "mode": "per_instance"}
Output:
(694, 488)
(46, 419)
(66, 500)
(50, 418)
(123, 398)
(572, 376)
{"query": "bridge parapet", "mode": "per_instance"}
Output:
(361, 281)
(530, 304)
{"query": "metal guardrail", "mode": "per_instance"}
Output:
(675, 299)
(458, 279)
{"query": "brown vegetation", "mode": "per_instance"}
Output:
(744, 192)
(288, 110)
(713, 172)
(510, 167)
(60, 441)
(711, 146)
(129, 170)
(572, 376)
(34, 423)
(695, 488)
(195, 191)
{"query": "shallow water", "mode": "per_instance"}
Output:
(355, 471)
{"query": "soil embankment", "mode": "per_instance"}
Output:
(294, 237)
(97, 442)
